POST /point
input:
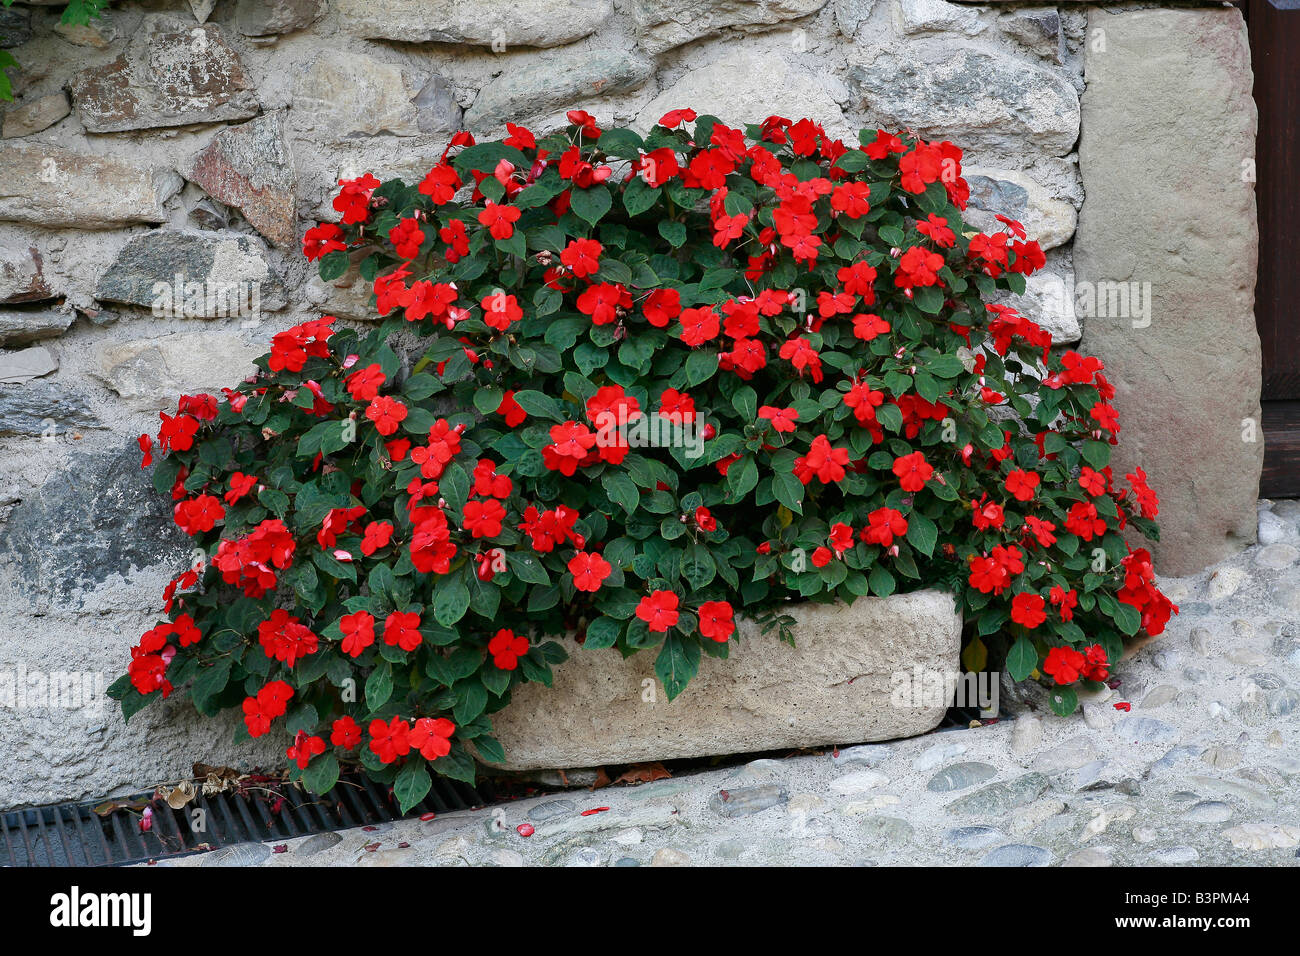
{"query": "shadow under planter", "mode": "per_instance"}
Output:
(836, 686)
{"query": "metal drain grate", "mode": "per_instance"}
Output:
(73, 834)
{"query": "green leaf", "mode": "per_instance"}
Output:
(602, 632)
(450, 601)
(412, 783)
(922, 533)
(677, 663)
(590, 204)
(1063, 701)
(622, 490)
(1021, 659)
(379, 686)
(673, 232)
(788, 490)
(321, 774)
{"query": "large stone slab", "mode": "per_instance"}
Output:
(833, 687)
(552, 82)
(1012, 193)
(193, 275)
(1168, 121)
(250, 167)
(150, 374)
(172, 73)
(745, 86)
(53, 187)
(663, 24)
(500, 24)
(359, 95)
(977, 97)
(42, 409)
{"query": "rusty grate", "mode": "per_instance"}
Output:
(74, 834)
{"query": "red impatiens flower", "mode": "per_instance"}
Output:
(391, 740)
(582, 257)
(500, 310)
(659, 611)
(572, 442)
(782, 419)
(322, 240)
(511, 410)
(377, 535)
(589, 571)
(272, 701)
(822, 462)
(387, 413)
(717, 621)
(913, 471)
(1064, 664)
(363, 384)
(304, 748)
(1022, 484)
(1027, 609)
(198, 514)
(431, 736)
(358, 631)
(1065, 601)
(403, 630)
(285, 638)
(883, 526)
(499, 220)
(506, 648)
(345, 733)
(661, 307)
(483, 518)
(240, 485)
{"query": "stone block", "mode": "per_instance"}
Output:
(833, 687)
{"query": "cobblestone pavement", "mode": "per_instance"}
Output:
(1202, 770)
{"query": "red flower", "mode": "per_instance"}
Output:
(661, 307)
(1021, 484)
(304, 748)
(512, 411)
(406, 237)
(822, 557)
(345, 733)
(285, 638)
(440, 184)
(1065, 600)
(483, 518)
(240, 485)
(198, 514)
(551, 528)
(322, 240)
(387, 413)
(659, 611)
(499, 220)
(800, 353)
(500, 310)
(912, 471)
(488, 483)
(589, 571)
(432, 737)
(1093, 482)
(822, 462)
(358, 632)
(602, 302)
(699, 326)
(403, 630)
(353, 200)
(388, 741)
(867, 326)
(883, 526)
(704, 520)
(1084, 522)
(572, 442)
(377, 535)
(841, 537)
(506, 648)
(782, 419)
(146, 449)
(1095, 666)
(582, 256)
(1027, 609)
(717, 621)
(676, 406)
(363, 384)
(1064, 664)
(674, 118)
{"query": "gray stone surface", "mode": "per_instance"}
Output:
(231, 269)
(764, 695)
(555, 82)
(23, 365)
(974, 96)
(541, 23)
(250, 168)
(40, 408)
(663, 24)
(259, 18)
(172, 73)
(1150, 174)
(32, 116)
(1018, 196)
(361, 95)
(21, 326)
(150, 374)
(51, 187)
(741, 84)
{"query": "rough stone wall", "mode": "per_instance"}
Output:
(193, 142)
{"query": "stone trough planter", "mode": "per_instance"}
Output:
(834, 687)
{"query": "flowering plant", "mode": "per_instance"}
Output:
(626, 387)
